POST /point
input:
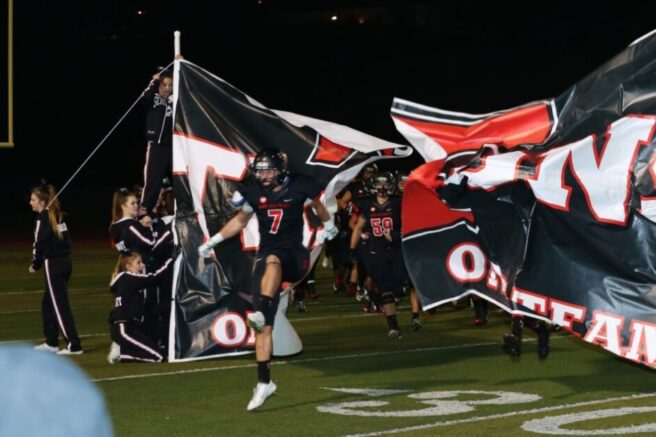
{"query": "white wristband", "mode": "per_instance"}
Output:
(216, 239)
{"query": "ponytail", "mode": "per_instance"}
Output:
(120, 197)
(46, 193)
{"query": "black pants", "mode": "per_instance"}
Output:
(157, 307)
(135, 344)
(386, 269)
(159, 162)
(55, 308)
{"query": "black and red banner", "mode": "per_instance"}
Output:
(217, 130)
(548, 209)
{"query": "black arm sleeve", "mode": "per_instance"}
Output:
(42, 236)
(138, 238)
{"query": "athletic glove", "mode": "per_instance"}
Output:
(330, 229)
(205, 250)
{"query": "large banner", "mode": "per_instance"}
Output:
(547, 209)
(217, 130)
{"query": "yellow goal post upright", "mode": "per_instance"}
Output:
(7, 63)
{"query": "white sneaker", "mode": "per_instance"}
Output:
(114, 355)
(260, 393)
(256, 321)
(46, 348)
(68, 351)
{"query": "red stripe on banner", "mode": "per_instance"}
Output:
(422, 207)
(330, 151)
(525, 125)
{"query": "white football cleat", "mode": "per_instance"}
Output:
(256, 321)
(260, 393)
(46, 348)
(114, 355)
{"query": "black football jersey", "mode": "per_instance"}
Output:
(280, 213)
(380, 218)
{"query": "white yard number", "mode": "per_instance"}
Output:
(441, 403)
(553, 425)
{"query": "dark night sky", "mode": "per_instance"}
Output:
(80, 64)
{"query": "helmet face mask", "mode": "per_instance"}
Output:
(382, 184)
(269, 167)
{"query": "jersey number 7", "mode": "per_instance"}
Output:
(277, 218)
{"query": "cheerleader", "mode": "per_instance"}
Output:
(126, 319)
(131, 235)
(52, 250)
(159, 135)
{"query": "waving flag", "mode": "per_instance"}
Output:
(547, 209)
(217, 129)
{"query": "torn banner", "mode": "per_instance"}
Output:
(217, 128)
(551, 205)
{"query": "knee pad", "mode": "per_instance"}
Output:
(268, 308)
(386, 297)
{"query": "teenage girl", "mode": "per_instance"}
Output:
(52, 250)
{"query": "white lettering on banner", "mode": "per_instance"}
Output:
(442, 403)
(459, 269)
(467, 263)
(603, 177)
(496, 279)
(494, 170)
(548, 184)
(553, 425)
(606, 331)
(642, 347)
(229, 330)
(565, 314)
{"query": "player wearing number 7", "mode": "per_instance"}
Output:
(381, 215)
(278, 200)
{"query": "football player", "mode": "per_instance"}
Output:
(278, 200)
(381, 217)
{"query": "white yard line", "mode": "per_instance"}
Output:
(306, 360)
(38, 310)
(503, 415)
(76, 289)
(33, 340)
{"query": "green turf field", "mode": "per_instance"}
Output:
(451, 378)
